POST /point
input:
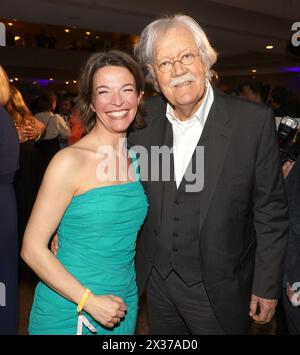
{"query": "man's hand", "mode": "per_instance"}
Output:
(264, 307)
(54, 244)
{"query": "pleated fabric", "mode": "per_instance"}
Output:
(97, 238)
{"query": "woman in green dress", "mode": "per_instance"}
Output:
(91, 195)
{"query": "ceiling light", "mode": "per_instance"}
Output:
(67, 82)
(74, 81)
(67, 30)
(269, 46)
(17, 38)
(16, 79)
(10, 23)
(87, 33)
(51, 79)
(253, 70)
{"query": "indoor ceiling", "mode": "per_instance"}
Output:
(236, 28)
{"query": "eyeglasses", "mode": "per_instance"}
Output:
(187, 58)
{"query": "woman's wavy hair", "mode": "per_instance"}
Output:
(4, 87)
(17, 108)
(85, 86)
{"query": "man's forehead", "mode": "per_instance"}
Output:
(174, 41)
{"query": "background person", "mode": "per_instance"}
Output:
(55, 128)
(9, 164)
(29, 130)
(291, 292)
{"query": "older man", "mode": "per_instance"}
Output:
(213, 257)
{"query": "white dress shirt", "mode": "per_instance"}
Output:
(186, 134)
(55, 125)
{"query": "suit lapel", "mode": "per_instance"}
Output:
(161, 135)
(216, 139)
(168, 141)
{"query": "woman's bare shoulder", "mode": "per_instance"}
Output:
(67, 162)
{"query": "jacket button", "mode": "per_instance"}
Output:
(176, 219)
(175, 234)
(177, 202)
(174, 249)
(155, 232)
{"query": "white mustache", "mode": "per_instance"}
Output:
(182, 79)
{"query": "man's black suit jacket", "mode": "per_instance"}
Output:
(243, 210)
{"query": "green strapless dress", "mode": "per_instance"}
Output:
(97, 240)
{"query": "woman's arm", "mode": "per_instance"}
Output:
(55, 194)
(53, 198)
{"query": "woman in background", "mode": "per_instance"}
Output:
(76, 127)
(30, 130)
(9, 160)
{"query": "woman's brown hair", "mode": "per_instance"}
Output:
(18, 109)
(85, 87)
(4, 87)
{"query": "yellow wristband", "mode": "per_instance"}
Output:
(84, 298)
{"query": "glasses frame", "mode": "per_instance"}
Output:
(194, 54)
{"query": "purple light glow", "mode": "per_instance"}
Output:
(43, 82)
(290, 69)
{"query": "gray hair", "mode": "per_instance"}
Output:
(144, 50)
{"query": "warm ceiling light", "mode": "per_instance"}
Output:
(67, 30)
(253, 70)
(87, 33)
(74, 81)
(16, 79)
(17, 38)
(97, 37)
(269, 46)
(67, 82)
(51, 79)
(10, 23)
(11, 80)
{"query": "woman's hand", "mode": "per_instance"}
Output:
(54, 244)
(287, 167)
(107, 310)
(27, 132)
